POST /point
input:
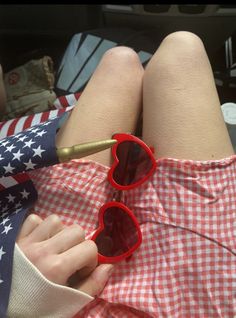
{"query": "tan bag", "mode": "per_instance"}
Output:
(29, 88)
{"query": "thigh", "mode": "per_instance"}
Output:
(110, 102)
(182, 115)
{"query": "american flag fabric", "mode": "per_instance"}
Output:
(69, 100)
(16, 125)
(17, 195)
(28, 150)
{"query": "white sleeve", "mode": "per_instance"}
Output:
(32, 295)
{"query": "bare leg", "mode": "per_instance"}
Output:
(182, 115)
(110, 102)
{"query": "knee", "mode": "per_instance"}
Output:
(184, 38)
(183, 44)
(121, 58)
(179, 51)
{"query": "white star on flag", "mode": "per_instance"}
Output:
(22, 138)
(29, 165)
(1, 252)
(41, 133)
(29, 143)
(10, 198)
(7, 228)
(25, 194)
(4, 209)
(35, 130)
(18, 205)
(38, 151)
(9, 148)
(5, 221)
(8, 168)
(17, 155)
(17, 211)
(5, 143)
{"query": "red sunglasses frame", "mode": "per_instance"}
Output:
(102, 211)
(149, 150)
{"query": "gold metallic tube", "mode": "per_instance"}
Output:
(83, 150)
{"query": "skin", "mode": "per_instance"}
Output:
(181, 119)
(62, 254)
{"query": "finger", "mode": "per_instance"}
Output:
(46, 229)
(31, 222)
(79, 276)
(79, 256)
(95, 283)
(66, 239)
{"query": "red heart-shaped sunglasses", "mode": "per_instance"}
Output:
(118, 234)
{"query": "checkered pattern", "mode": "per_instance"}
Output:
(186, 265)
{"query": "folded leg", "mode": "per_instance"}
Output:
(182, 115)
(110, 102)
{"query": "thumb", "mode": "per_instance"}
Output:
(96, 281)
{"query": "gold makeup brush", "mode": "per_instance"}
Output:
(84, 149)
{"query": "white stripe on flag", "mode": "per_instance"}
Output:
(5, 127)
(20, 124)
(69, 108)
(36, 119)
(7, 182)
(53, 113)
(71, 99)
(57, 103)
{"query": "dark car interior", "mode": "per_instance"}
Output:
(32, 31)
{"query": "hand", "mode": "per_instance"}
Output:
(62, 254)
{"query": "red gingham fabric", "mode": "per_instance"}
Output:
(186, 265)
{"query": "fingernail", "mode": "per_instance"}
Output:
(108, 269)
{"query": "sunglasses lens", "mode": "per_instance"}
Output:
(134, 163)
(119, 234)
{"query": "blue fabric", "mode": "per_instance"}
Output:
(31, 149)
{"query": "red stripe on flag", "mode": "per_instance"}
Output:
(2, 187)
(28, 122)
(63, 101)
(21, 177)
(77, 95)
(44, 116)
(61, 111)
(11, 129)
